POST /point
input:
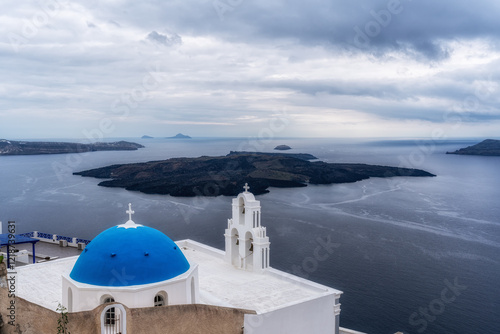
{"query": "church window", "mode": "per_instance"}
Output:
(159, 300)
(107, 299)
(110, 316)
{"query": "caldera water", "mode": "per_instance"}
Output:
(411, 254)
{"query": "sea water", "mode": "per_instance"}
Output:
(411, 254)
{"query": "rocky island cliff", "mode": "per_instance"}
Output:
(225, 175)
(11, 147)
(488, 147)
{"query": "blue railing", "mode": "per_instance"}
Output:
(50, 236)
(68, 239)
(86, 242)
(45, 235)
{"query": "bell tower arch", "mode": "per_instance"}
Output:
(247, 243)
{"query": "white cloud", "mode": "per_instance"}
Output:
(178, 64)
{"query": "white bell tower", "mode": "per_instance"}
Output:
(247, 244)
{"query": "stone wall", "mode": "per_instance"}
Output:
(30, 318)
(176, 319)
(189, 319)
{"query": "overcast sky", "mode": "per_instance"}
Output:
(319, 68)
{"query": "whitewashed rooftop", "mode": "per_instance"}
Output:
(220, 283)
(224, 285)
(41, 283)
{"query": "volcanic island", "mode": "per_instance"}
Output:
(225, 175)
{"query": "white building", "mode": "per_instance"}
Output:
(138, 267)
(247, 245)
(133, 264)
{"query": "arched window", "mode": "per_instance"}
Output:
(107, 299)
(114, 319)
(161, 299)
(110, 316)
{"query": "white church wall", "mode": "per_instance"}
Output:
(313, 316)
(85, 297)
(78, 300)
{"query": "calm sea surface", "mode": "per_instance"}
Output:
(417, 255)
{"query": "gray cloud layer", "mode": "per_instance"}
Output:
(226, 67)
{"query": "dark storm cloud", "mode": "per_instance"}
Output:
(414, 27)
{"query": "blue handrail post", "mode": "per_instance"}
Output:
(33, 244)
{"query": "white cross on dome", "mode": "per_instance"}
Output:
(130, 211)
(130, 223)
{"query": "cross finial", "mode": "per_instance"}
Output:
(246, 187)
(130, 211)
(129, 223)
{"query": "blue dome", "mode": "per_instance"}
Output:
(127, 255)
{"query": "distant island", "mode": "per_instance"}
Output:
(302, 156)
(11, 147)
(225, 175)
(488, 147)
(179, 136)
(282, 147)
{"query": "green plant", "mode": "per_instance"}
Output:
(62, 322)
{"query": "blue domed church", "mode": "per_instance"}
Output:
(134, 279)
(134, 264)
